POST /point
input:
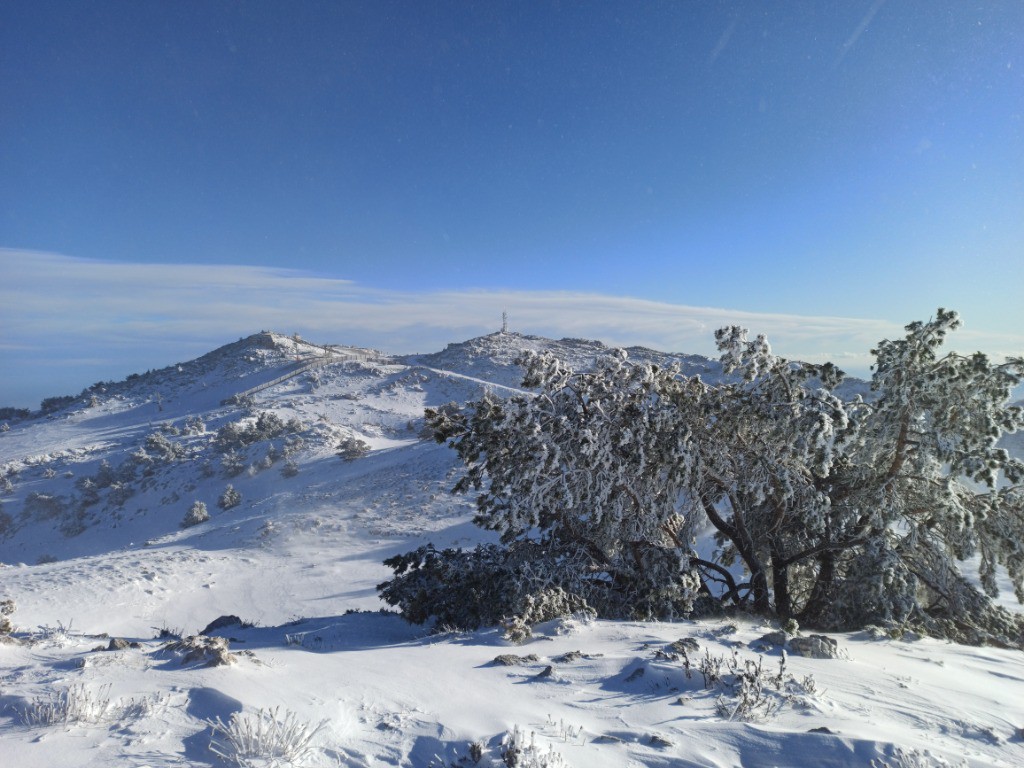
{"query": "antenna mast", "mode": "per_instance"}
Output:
(504, 322)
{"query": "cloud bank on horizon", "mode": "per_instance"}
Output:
(66, 322)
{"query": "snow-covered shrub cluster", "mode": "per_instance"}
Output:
(237, 435)
(196, 514)
(839, 512)
(76, 704)
(748, 691)
(159, 448)
(230, 498)
(265, 738)
(6, 611)
(351, 448)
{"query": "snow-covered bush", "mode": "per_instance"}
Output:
(74, 705)
(120, 493)
(351, 448)
(6, 611)
(266, 738)
(194, 425)
(230, 498)
(54, 404)
(267, 426)
(160, 448)
(196, 514)
(517, 585)
(233, 463)
(44, 506)
(519, 750)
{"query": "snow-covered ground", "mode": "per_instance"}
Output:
(93, 552)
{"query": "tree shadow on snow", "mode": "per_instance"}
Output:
(355, 631)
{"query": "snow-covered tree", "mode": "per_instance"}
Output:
(583, 478)
(841, 512)
(196, 514)
(230, 499)
(351, 448)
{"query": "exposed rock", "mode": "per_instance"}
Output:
(685, 645)
(220, 623)
(119, 644)
(571, 656)
(511, 660)
(548, 671)
(814, 647)
(772, 639)
(210, 651)
(636, 674)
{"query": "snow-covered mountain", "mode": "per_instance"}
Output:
(93, 551)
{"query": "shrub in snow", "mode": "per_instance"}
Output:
(208, 651)
(519, 585)
(230, 498)
(44, 506)
(265, 738)
(196, 514)
(352, 448)
(88, 492)
(6, 611)
(748, 691)
(290, 469)
(234, 463)
(54, 404)
(267, 426)
(162, 449)
(71, 706)
(120, 493)
(6, 524)
(519, 750)
(105, 475)
(842, 512)
(194, 425)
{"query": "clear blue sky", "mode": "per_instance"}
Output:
(859, 159)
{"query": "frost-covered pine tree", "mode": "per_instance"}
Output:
(230, 498)
(839, 512)
(196, 514)
(850, 512)
(581, 483)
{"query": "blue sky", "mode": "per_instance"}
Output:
(636, 172)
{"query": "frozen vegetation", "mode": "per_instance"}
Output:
(191, 560)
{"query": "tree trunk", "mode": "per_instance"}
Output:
(780, 584)
(821, 594)
(737, 534)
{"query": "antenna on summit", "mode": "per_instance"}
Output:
(504, 322)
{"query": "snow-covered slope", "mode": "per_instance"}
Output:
(93, 550)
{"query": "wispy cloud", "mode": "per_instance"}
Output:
(57, 311)
(851, 41)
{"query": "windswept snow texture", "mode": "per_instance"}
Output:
(93, 552)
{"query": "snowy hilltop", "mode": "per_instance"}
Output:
(189, 563)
